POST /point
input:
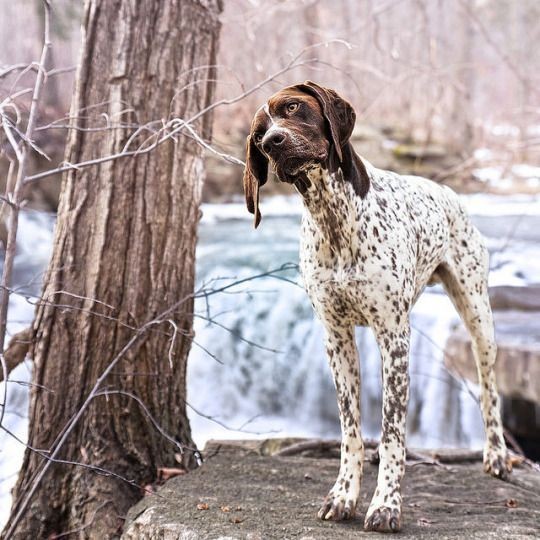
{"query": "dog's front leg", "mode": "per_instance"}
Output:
(341, 501)
(384, 512)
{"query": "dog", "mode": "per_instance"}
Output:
(371, 241)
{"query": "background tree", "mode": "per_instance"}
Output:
(123, 254)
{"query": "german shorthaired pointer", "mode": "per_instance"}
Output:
(371, 241)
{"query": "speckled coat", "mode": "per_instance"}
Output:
(371, 240)
(406, 233)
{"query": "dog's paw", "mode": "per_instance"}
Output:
(383, 519)
(497, 463)
(337, 507)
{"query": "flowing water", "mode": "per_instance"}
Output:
(249, 390)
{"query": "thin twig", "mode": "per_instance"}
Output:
(7, 271)
(5, 379)
(181, 447)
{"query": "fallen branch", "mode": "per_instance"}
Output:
(457, 456)
(318, 446)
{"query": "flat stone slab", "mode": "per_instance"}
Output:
(239, 494)
(518, 357)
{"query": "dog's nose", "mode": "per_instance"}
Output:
(272, 140)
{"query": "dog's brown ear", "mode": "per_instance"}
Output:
(338, 112)
(255, 176)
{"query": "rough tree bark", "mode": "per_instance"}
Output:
(125, 242)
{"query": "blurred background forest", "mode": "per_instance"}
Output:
(440, 87)
(444, 88)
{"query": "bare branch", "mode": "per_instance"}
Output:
(19, 183)
(176, 125)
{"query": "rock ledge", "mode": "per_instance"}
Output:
(240, 494)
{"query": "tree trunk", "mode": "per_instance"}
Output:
(462, 113)
(124, 250)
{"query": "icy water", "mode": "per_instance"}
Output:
(266, 373)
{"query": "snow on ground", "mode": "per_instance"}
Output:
(501, 176)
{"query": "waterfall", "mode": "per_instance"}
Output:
(249, 390)
(289, 390)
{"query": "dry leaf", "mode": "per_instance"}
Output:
(515, 461)
(164, 473)
(202, 506)
(225, 509)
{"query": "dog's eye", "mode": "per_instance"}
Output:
(292, 107)
(258, 137)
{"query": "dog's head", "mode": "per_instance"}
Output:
(299, 126)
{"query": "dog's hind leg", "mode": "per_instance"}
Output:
(384, 512)
(340, 503)
(465, 280)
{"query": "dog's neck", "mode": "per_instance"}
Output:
(331, 206)
(332, 197)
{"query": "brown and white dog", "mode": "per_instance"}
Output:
(371, 240)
